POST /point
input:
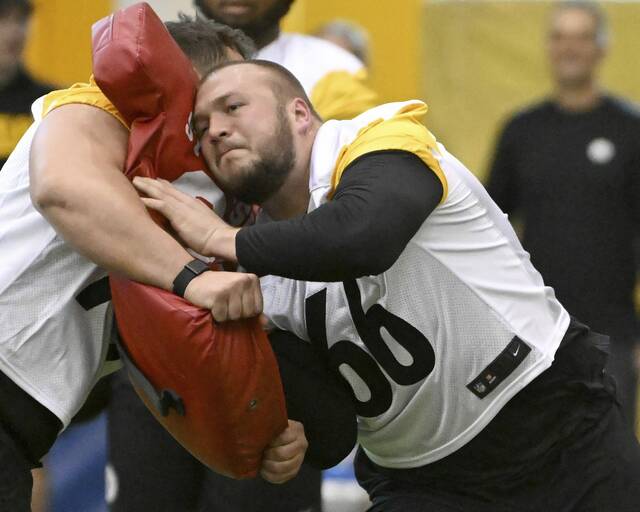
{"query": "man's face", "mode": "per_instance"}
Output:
(574, 52)
(254, 17)
(244, 132)
(13, 34)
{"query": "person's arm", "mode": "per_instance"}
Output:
(76, 163)
(502, 183)
(380, 203)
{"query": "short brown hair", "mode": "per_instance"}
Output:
(285, 85)
(205, 41)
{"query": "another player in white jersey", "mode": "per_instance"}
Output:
(474, 388)
(335, 81)
(67, 216)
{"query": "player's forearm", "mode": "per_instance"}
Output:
(108, 224)
(79, 187)
(379, 205)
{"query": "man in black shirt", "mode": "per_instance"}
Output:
(569, 168)
(17, 88)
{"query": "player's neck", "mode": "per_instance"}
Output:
(293, 197)
(580, 98)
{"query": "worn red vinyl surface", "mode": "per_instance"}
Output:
(225, 374)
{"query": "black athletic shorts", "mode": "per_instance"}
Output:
(560, 445)
(27, 432)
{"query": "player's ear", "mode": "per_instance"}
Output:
(302, 115)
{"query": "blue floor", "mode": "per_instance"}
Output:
(76, 468)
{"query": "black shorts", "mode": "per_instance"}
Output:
(27, 432)
(560, 445)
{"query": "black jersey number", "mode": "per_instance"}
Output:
(369, 325)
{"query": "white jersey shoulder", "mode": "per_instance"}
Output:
(293, 51)
(436, 345)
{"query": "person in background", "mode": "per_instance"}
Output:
(475, 391)
(18, 89)
(348, 35)
(335, 82)
(68, 216)
(569, 169)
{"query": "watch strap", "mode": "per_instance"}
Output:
(191, 270)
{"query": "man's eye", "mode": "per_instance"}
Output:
(200, 130)
(233, 107)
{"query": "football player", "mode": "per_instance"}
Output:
(474, 388)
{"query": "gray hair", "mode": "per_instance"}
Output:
(356, 36)
(597, 13)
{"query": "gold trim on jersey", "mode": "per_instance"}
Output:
(342, 95)
(403, 132)
(84, 93)
(12, 127)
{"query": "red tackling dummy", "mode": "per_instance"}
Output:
(214, 387)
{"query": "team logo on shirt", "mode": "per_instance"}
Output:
(601, 151)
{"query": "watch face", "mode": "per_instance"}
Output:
(197, 266)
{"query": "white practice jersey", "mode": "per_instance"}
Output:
(435, 346)
(333, 78)
(50, 345)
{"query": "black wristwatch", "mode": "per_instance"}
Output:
(192, 269)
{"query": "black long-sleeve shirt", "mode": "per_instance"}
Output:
(16, 98)
(574, 180)
(380, 203)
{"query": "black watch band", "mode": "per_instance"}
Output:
(192, 269)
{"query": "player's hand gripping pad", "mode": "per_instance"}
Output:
(215, 387)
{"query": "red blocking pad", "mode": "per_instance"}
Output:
(215, 387)
(225, 375)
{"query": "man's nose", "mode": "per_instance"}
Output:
(219, 129)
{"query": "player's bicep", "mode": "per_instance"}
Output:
(385, 195)
(74, 145)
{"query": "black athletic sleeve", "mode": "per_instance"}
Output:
(380, 203)
(502, 180)
(317, 397)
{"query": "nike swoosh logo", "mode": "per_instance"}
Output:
(515, 352)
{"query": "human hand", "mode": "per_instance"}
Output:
(194, 222)
(229, 295)
(282, 459)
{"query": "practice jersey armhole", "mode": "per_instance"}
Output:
(84, 94)
(403, 132)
